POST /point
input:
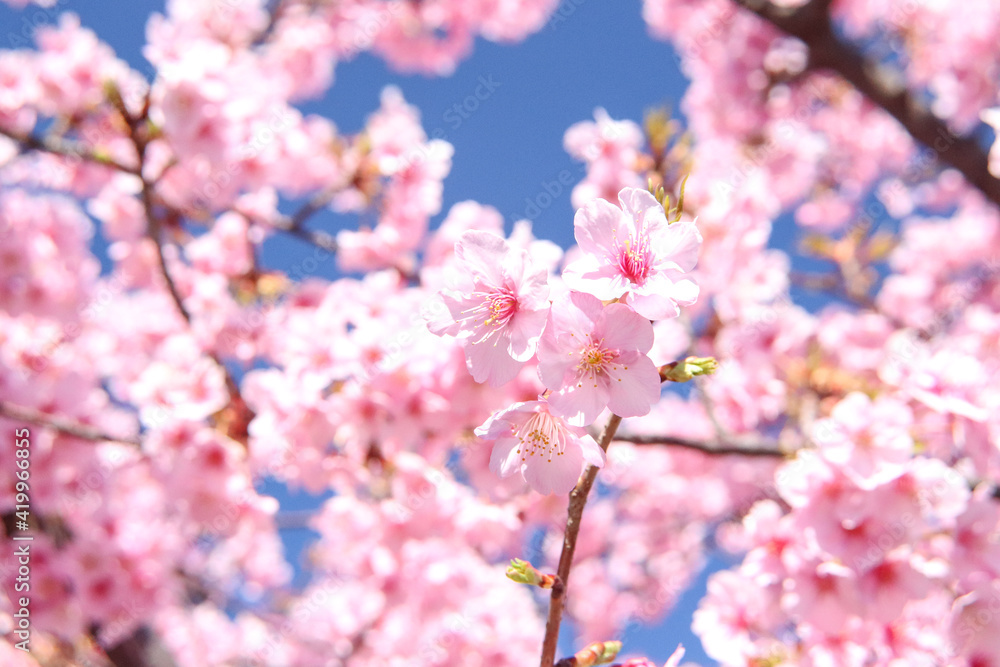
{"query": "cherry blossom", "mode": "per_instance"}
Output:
(499, 308)
(632, 253)
(593, 356)
(546, 451)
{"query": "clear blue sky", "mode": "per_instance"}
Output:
(504, 152)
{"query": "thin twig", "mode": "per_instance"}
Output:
(577, 501)
(319, 239)
(317, 202)
(295, 224)
(154, 232)
(61, 424)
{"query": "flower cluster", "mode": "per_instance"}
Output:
(590, 343)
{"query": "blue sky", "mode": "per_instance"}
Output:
(505, 151)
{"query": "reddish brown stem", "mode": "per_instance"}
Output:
(577, 501)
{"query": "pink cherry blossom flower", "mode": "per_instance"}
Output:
(632, 252)
(594, 356)
(499, 309)
(869, 439)
(530, 440)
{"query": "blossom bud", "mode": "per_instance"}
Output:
(523, 572)
(682, 371)
(598, 653)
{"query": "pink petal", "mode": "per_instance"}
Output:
(675, 658)
(634, 390)
(505, 459)
(532, 289)
(677, 246)
(489, 361)
(581, 403)
(592, 452)
(594, 275)
(653, 305)
(440, 318)
(594, 226)
(623, 328)
(556, 358)
(685, 292)
(525, 328)
(559, 476)
(499, 422)
(643, 212)
(483, 252)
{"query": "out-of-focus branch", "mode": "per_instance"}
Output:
(238, 413)
(319, 239)
(294, 224)
(61, 424)
(275, 10)
(761, 448)
(65, 148)
(154, 231)
(811, 24)
(577, 501)
(140, 649)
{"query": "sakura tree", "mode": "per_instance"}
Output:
(521, 452)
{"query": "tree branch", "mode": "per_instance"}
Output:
(65, 148)
(143, 648)
(319, 239)
(238, 413)
(760, 448)
(154, 232)
(61, 424)
(811, 24)
(577, 501)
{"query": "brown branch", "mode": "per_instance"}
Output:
(275, 12)
(238, 413)
(811, 24)
(316, 203)
(65, 148)
(142, 648)
(61, 424)
(319, 239)
(718, 448)
(294, 224)
(832, 284)
(154, 232)
(577, 501)
(294, 519)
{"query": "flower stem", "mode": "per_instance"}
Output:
(577, 501)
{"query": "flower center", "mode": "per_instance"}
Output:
(594, 362)
(593, 357)
(541, 435)
(493, 308)
(500, 306)
(635, 259)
